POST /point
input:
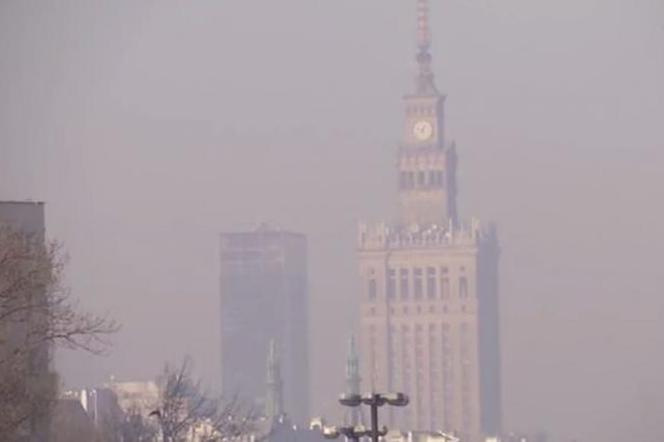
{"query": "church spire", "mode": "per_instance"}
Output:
(274, 403)
(352, 368)
(353, 380)
(424, 82)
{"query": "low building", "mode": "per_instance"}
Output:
(101, 406)
(420, 436)
(137, 397)
(519, 437)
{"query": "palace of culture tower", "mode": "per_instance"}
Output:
(429, 301)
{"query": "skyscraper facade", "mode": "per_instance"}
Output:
(24, 216)
(429, 301)
(25, 361)
(263, 300)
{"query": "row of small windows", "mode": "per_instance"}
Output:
(420, 284)
(418, 310)
(420, 110)
(432, 179)
(444, 327)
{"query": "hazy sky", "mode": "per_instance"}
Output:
(148, 127)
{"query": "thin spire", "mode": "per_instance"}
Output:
(353, 380)
(424, 82)
(274, 404)
(353, 368)
(423, 30)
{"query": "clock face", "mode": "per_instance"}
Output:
(423, 130)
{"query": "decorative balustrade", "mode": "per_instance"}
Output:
(384, 236)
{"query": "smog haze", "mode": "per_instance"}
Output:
(149, 128)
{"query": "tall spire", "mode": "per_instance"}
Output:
(423, 31)
(353, 381)
(274, 403)
(424, 81)
(352, 368)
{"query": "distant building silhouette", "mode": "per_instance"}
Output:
(101, 406)
(264, 297)
(140, 397)
(28, 219)
(25, 216)
(429, 301)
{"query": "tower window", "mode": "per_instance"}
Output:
(441, 179)
(403, 283)
(431, 282)
(406, 180)
(391, 283)
(373, 290)
(463, 287)
(418, 289)
(421, 179)
(444, 288)
(433, 179)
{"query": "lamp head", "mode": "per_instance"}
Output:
(350, 400)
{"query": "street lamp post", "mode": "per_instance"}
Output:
(374, 400)
(352, 433)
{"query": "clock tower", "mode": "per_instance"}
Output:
(426, 162)
(429, 284)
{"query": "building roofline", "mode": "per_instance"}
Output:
(275, 232)
(26, 202)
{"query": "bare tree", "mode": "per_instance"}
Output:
(70, 423)
(185, 408)
(36, 313)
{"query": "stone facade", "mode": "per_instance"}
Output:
(429, 301)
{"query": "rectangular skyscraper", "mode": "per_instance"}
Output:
(429, 303)
(264, 297)
(25, 218)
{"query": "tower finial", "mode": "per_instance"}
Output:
(424, 83)
(423, 31)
